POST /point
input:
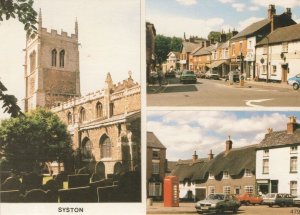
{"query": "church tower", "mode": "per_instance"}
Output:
(51, 68)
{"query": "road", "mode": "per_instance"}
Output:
(219, 93)
(189, 208)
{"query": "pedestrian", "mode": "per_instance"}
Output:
(160, 77)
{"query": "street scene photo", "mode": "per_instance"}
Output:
(70, 122)
(223, 53)
(223, 162)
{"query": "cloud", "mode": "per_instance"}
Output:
(187, 2)
(226, 1)
(239, 7)
(253, 8)
(183, 132)
(245, 23)
(175, 25)
(286, 3)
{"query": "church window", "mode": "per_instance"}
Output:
(105, 146)
(87, 149)
(69, 118)
(62, 58)
(99, 110)
(32, 61)
(111, 109)
(53, 59)
(82, 115)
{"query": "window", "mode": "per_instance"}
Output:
(293, 166)
(155, 189)
(211, 190)
(155, 168)
(105, 146)
(285, 47)
(226, 189)
(62, 58)
(241, 47)
(266, 153)
(233, 49)
(155, 154)
(99, 110)
(293, 188)
(87, 149)
(265, 50)
(264, 69)
(249, 189)
(294, 149)
(225, 175)
(32, 61)
(53, 57)
(69, 116)
(265, 166)
(82, 115)
(211, 176)
(248, 173)
(274, 68)
(111, 109)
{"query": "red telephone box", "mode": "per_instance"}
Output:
(171, 191)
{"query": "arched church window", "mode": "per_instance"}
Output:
(32, 57)
(53, 57)
(87, 149)
(69, 116)
(105, 147)
(62, 58)
(99, 110)
(82, 115)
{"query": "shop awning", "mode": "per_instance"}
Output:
(218, 63)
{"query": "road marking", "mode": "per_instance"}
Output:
(249, 102)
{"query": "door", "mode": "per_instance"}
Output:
(284, 73)
(200, 193)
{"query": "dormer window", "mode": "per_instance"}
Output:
(225, 175)
(285, 47)
(211, 176)
(248, 173)
(294, 149)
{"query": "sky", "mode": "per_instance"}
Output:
(199, 17)
(109, 37)
(183, 132)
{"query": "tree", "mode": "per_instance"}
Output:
(214, 35)
(163, 45)
(21, 9)
(38, 137)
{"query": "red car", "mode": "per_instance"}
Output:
(248, 199)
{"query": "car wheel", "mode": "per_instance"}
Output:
(295, 86)
(282, 204)
(270, 205)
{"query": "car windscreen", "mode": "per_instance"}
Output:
(215, 197)
(189, 72)
(270, 195)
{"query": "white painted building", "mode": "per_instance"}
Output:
(278, 54)
(277, 162)
(173, 61)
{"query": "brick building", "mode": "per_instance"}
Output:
(104, 125)
(156, 166)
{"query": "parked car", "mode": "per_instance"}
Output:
(248, 199)
(296, 201)
(188, 76)
(170, 74)
(217, 203)
(294, 81)
(211, 74)
(235, 76)
(200, 74)
(280, 199)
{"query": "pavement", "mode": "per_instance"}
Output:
(184, 208)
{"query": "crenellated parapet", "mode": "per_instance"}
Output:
(62, 35)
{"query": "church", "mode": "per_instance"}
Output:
(105, 125)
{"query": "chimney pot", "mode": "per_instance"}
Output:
(271, 11)
(195, 156)
(291, 125)
(228, 144)
(210, 155)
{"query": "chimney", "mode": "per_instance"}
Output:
(234, 32)
(291, 125)
(203, 43)
(223, 37)
(271, 11)
(228, 145)
(195, 156)
(288, 12)
(207, 43)
(210, 155)
(270, 130)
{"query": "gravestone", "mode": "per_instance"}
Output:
(32, 181)
(78, 180)
(10, 196)
(11, 183)
(37, 195)
(107, 194)
(78, 194)
(130, 187)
